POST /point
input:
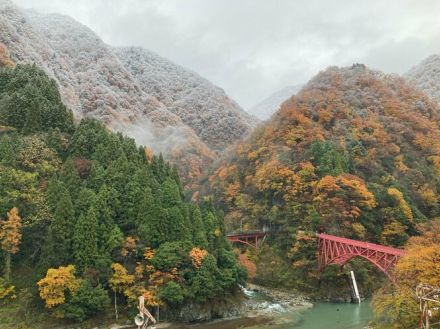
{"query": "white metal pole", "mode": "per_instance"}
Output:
(355, 287)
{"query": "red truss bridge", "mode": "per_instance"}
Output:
(336, 250)
(249, 238)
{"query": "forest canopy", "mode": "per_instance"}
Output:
(94, 215)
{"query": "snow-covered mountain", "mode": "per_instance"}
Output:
(271, 104)
(130, 89)
(216, 119)
(426, 76)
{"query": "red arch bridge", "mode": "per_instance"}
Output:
(336, 250)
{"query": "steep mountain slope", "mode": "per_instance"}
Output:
(215, 118)
(355, 153)
(271, 104)
(426, 76)
(95, 81)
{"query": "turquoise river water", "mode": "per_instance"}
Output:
(321, 316)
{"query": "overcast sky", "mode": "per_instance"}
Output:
(252, 48)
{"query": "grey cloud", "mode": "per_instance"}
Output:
(251, 48)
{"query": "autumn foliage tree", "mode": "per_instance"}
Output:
(420, 264)
(355, 153)
(57, 283)
(10, 238)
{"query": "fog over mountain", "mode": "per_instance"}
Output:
(271, 104)
(130, 89)
(252, 48)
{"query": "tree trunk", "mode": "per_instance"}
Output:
(7, 273)
(116, 309)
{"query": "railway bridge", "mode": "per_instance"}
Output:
(335, 250)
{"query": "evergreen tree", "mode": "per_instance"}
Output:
(30, 101)
(85, 239)
(9, 149)
(198, 228)
(59, 243)
(88, 135)
(110, 236)
(86, 198)
(69, 176)
(170, 193)
(97, 176)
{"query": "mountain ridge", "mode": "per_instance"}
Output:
(95, 81)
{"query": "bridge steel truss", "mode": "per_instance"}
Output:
(337, 250)
(252, 239)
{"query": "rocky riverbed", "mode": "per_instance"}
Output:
(256, 301)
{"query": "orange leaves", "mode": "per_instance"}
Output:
(5, 59)
(148, 253)
(231, 191)
(328, 184)
(150, 298)
(56, 284)
(197, 256)
(10, 235)
(148, 153)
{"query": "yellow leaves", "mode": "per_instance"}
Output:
(403, 205)
(400, 164)
(10, 236)
(197, 256)
(272, 175)
(120, 279)
(391, 230)
(6, 290)
(421, 262)
(358, 190)
(428, 195)
(56, 283)
(359, 230)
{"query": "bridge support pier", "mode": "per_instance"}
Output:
(355, 287)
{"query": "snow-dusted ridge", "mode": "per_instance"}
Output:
(130, 89)
(271, 104)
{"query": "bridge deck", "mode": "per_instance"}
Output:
(247, 234)
(371, 246)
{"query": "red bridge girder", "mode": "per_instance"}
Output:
(251, 239)
(337, 250)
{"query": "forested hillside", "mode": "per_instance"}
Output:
(161, 104)
(355, 153)
(86, 214)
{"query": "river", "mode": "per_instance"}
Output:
(321, 316)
